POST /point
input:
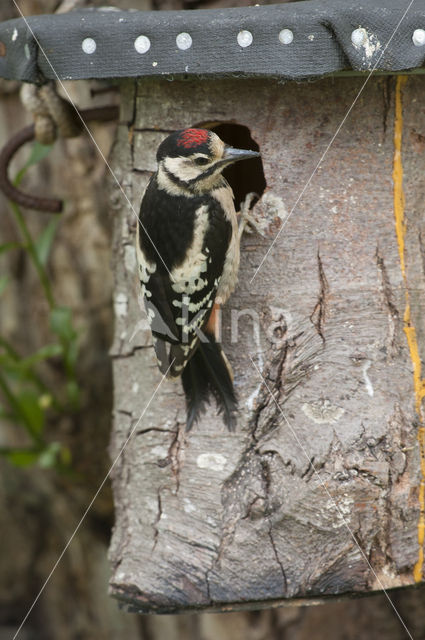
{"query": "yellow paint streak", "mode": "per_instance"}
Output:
(418, 381)
(409, 329)
(418, 568)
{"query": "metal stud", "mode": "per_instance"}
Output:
(245, 38)
(418, 37)
(286, 36)
(184, 41)
(142, 44)
(359, 37)
(88, 45)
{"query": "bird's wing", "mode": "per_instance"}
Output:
(197, 280)
(179, 302)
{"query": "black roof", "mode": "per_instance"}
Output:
(289, 41)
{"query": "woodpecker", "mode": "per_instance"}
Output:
(188, 254)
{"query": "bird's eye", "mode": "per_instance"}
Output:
(201, 161)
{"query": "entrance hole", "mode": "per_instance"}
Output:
(246, 176)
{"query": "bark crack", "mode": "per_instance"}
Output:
(157, 519)
(387, 89)
(174, 454)
(388, 297)
(149, 429)
(143, 172)
(131, 124)
(278, 560)
(266, 482)
(125, 412)
(422, 250)
(173, 459)
(207, 582)
(129, 354)
(153, 130)
(318, 317)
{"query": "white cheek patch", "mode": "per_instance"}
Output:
(182, 168)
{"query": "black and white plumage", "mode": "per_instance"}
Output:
(188, 255)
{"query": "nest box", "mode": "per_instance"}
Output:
(320, 491)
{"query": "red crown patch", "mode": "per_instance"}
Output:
(192, 138)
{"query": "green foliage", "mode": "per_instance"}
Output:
(38, 152)
(53, 455)
(61, 324)
(26, 400)
(8, 246)
(44, 242)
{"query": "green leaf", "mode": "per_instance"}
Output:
(46, 352)
(21, 457)
(8, 246)
(49, 457)
(5, 344)
(9, 363)
(65, 456)
(43, 244)
(61, 323)
(24, 368)
(73, 392)
(28, 401)
(38, 153)
(14, 369)
(71, 355)
(3, 283)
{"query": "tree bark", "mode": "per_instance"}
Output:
(39, 509)
(318, 492)
(38, 512)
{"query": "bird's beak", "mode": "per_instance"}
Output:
(234, 155)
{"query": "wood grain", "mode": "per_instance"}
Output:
(319, 484)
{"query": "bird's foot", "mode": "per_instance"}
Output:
(247, 222)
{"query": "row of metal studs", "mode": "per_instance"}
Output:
(360, 36)
(142, 44)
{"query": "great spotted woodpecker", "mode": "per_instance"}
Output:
(188, 254)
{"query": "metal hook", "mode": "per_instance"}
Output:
(48, 205)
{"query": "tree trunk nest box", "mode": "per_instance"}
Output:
(320, 491)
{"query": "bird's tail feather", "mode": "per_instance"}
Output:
(208, 373)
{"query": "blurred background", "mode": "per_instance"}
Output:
(55, 405)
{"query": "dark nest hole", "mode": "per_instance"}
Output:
(246, 176)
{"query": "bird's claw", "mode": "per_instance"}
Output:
(247, 222)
